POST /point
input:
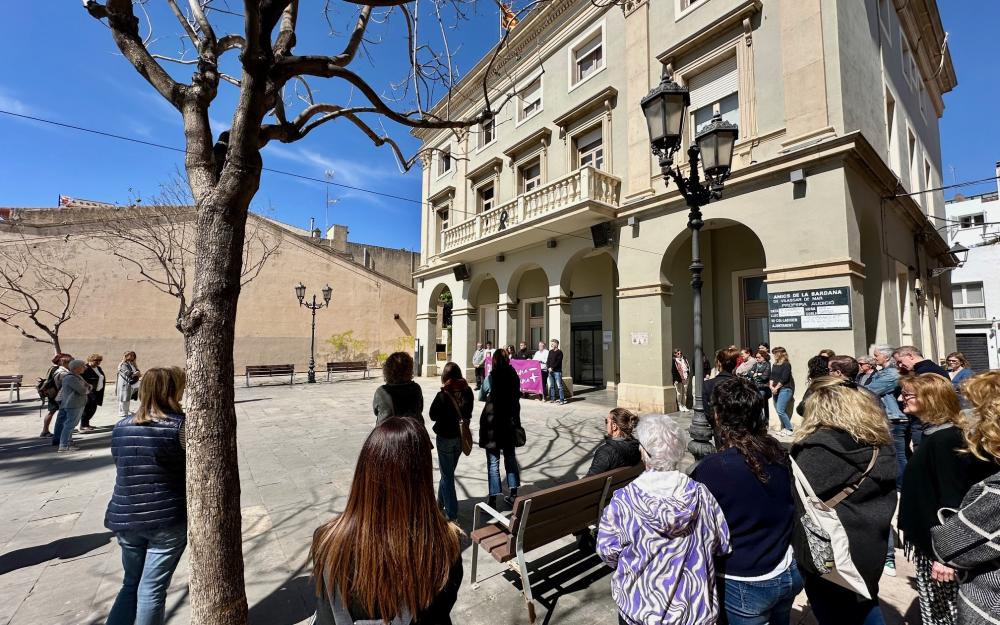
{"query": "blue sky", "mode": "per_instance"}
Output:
(61, 64)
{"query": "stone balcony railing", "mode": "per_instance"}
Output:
(582, 188)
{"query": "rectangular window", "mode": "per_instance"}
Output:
(715, 90)
(531, 176)
(883, 17)
(928, 175)
(905, 58)
(488, 324)
(588, 57)
(536, 323)
(968, 301)
(485, 198)
(911, 152)
(444, 162)
(890, 121)
(487, 133)
(530, 100)
(590, 149)
(971, 221)
(442, 215)
(754, 308)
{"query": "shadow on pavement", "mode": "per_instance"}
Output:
(290, 603)
(63, 549)
(564, 571)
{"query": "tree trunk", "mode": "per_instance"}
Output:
(56, 346)
(218, 595)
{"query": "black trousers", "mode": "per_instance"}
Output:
(480, 375)
(88, 412)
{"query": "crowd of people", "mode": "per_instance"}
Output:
(734, 540)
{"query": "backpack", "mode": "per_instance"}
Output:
(46, 386)
(829, 550)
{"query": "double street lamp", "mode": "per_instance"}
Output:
(300, 293)
(665, 108)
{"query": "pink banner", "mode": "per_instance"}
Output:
(529, 371)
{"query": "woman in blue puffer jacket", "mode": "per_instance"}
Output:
(147, 511)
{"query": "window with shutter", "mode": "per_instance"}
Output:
(590, 149)
(717, 88)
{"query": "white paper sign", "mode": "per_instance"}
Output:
(640, 338)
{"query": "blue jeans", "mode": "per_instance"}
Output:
(509, 466)
(781, 403)
(760, 603)
(67, 419)
(449, 451)
(555, 381)
(834, 605)
(149, 559)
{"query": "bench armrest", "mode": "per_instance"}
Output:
(492, 512)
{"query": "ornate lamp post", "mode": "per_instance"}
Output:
(300, 293)
(665, 109)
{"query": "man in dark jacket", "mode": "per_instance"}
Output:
(523, 353)
(910, 360)
(554, 365)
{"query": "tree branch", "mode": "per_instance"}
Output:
(125, 32)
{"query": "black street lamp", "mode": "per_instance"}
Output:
(300, 293)
(665, 109)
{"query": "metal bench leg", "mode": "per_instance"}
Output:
(475, 546)
(526, 585)
(248, 380)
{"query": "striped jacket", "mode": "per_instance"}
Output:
(661, 534)
(970, 541)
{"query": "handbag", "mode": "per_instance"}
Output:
(466, 432)
(829, 549)
(520, 436)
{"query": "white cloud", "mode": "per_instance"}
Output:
(353, 173)
(9, 102)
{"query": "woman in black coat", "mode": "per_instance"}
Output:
(94, 376)
(843, 427)
(500, 418)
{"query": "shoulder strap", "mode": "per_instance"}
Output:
(454, 403)
(342, 616)
(850, 488)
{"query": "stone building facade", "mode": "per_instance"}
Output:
(117, 311)
(837, 106)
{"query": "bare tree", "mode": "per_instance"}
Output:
(154, 240)
(38, 292)
(223, 174)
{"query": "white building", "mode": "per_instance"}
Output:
(975, 223)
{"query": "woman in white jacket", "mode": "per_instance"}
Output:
(128, 377)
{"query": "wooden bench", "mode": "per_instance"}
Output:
(541, 518)
(268, 371)
(346, 367)
(13, 383)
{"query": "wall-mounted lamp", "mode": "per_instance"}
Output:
(500, 258)
(395, 316)
(551, 243)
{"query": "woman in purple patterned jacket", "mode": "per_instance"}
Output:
(661, 534)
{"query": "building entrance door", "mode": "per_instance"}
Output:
(588, 360)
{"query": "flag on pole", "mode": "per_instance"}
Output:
(64, 200)
(508, 19)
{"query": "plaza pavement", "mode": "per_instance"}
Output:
(297, 448)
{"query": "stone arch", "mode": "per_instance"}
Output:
(734, 293)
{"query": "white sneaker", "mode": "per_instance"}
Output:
(786, 433)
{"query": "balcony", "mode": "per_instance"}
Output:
(578, 200)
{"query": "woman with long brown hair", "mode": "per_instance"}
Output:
(392, 555)
(939, 475)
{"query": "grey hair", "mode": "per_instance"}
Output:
(885, 350)
(75, 364)
(663, 440)
(910, 350)
(865, 360)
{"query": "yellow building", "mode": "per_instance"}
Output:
(837, 106)
(372, 311)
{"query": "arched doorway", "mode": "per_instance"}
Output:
(590, 282)
(484, 298)
(734, 293)
(439, 307)
(529, 288)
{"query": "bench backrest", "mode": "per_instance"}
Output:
(346, 366)
(562, 510)
(270, 369)
(6, 379)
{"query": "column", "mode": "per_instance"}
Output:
(427, 333)
(638, 167)
(463, 338)
(645, 332)
(558, 320)
(506, 321)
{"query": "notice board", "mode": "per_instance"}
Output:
(816, 309)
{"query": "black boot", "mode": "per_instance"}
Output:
(510, 498)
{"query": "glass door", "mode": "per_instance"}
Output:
(588, 359)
